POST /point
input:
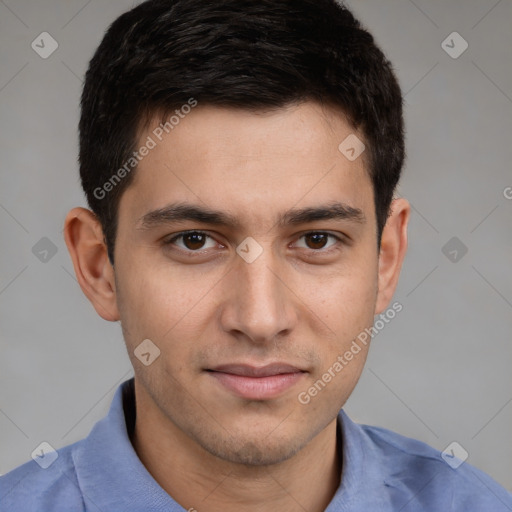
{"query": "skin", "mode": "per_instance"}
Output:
(301, 301)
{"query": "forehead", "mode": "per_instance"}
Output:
(251, 164)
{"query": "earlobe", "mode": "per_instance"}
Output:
(392, 252)
(84, 238)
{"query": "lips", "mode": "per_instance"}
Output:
(245, 370)
(257, 383)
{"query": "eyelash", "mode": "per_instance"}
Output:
(200, 251)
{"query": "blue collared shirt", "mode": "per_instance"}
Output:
(382, 471)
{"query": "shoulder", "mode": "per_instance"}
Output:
(31, 487)
(434, 481)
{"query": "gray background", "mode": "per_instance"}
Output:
(439, 372)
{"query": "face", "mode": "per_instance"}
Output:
(256, 305)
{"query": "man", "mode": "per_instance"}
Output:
(240, 160)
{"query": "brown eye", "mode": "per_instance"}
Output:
(194, 241)
(319, 241)
(316, 240)
(191, 241)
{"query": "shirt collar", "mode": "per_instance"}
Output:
(112, 478)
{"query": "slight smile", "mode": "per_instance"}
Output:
(257, 383)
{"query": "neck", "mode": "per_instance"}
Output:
(200, 481)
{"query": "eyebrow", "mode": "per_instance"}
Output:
(182, 212)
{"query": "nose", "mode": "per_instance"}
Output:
(259, 302)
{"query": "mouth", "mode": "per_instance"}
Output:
(257, 383)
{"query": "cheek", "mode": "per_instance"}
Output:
(346, 304)
(147, 290)
(163, 305)
(346, 301)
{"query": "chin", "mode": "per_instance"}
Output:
(251, 452)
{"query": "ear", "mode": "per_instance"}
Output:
(392, 252)
(84, 238)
